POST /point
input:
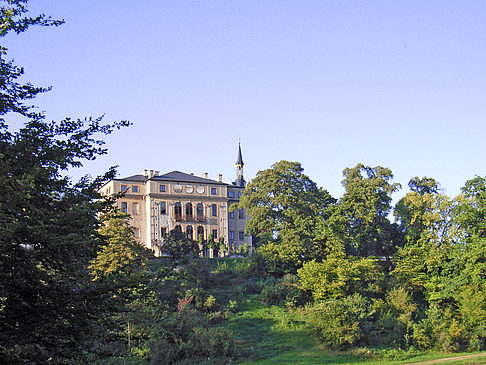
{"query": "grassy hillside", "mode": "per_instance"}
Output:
(268, 334)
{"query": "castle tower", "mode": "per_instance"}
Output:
(240, 181)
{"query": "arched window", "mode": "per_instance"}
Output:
(189, 216)
(178, 211)
(178, 228)
(200, 212)
(163, 208)
(200, 232)
(189, 232)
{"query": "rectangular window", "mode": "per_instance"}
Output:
(163, 208)
(134, 189)
(136, 232)
(213, 191)
(231, 215)
(124, 207)
(135, 208)
(214, 210)
(162, 188)
(241, 236)
(241, 214)
(163, 231)
(231, 235)
(124, 188)
(231, 194)
(239, 194)
(215, 234)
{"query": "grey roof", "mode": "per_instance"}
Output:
(176, 176)
(239, 158)
(133, 178)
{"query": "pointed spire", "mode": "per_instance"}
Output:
(239, 158)
(240, 181)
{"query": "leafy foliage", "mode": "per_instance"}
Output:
(360, 218)
(179, 247)
(338, 322)
(121, 256)
(286, 204)
(49, 225)
(338, 276)
(286, 291)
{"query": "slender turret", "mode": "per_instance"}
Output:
(240, 181)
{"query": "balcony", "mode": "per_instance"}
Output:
(189, 218)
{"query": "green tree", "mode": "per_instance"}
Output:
(468, 257)
(122, 256)
(361, 217)
(179, 247)
(121, 277)
(287, 205)
(48, 230)
(431, 235)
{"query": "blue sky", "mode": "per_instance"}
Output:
(400, 84)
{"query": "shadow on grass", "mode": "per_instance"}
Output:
(271, 335)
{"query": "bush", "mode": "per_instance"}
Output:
(275, 259)
(188, 335)
(196, 273)
(393, 325)
(443, 330)
(254, 286)
(340, 323)
(286, 291)
(340, 275)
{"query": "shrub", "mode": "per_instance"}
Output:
(340, 323)
(393, 325)
(286, 291)
(443, 328)
(188, 335)
(472, 307)
(275, 259)
(339, 275)
(254, 286)
(209, 303)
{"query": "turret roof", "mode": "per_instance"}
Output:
(239, 158)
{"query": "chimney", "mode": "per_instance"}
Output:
(192, 173)
(151, 173)
(145, 172)
(156, 173)
(205, 175)
(220, 177)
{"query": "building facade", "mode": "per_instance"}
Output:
(195, 205)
